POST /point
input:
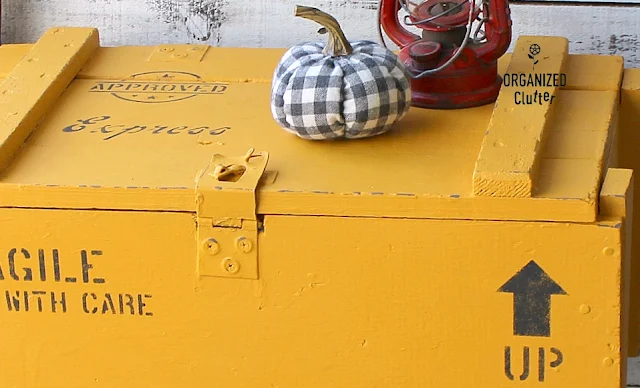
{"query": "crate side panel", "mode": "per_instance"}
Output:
(352, 302)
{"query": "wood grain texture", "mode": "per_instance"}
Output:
(602, 29)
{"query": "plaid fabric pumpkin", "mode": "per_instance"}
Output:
(318, 96)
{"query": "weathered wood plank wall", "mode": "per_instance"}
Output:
(602, 29)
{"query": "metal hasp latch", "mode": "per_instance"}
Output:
(227, 225)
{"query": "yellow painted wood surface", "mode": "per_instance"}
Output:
(376, 266)
(11, 55)
(616, 201)
(504, 146)
(424, 168)
(36, 82)
(348, 302)
(628, 146)
(510, 155)
(617, 188)
(595, 72)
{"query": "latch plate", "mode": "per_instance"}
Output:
(227, 225)
(228, 252)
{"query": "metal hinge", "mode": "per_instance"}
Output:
(227, 224)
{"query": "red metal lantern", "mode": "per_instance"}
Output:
(451, 68)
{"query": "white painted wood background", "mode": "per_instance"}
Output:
(601, 29)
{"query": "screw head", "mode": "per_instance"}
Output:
(211, 245)
(166, 50)
(244, 245)
(230, 265)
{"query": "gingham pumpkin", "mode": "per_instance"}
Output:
(338, 90)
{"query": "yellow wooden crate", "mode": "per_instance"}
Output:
(486, 247)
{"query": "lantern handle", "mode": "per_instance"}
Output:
(388, 20)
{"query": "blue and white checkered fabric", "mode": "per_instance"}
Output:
(318, 97)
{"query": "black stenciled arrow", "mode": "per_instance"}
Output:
(532, 289)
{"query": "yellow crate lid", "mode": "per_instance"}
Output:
(129, 128)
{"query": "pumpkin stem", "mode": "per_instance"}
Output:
(338, 44)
